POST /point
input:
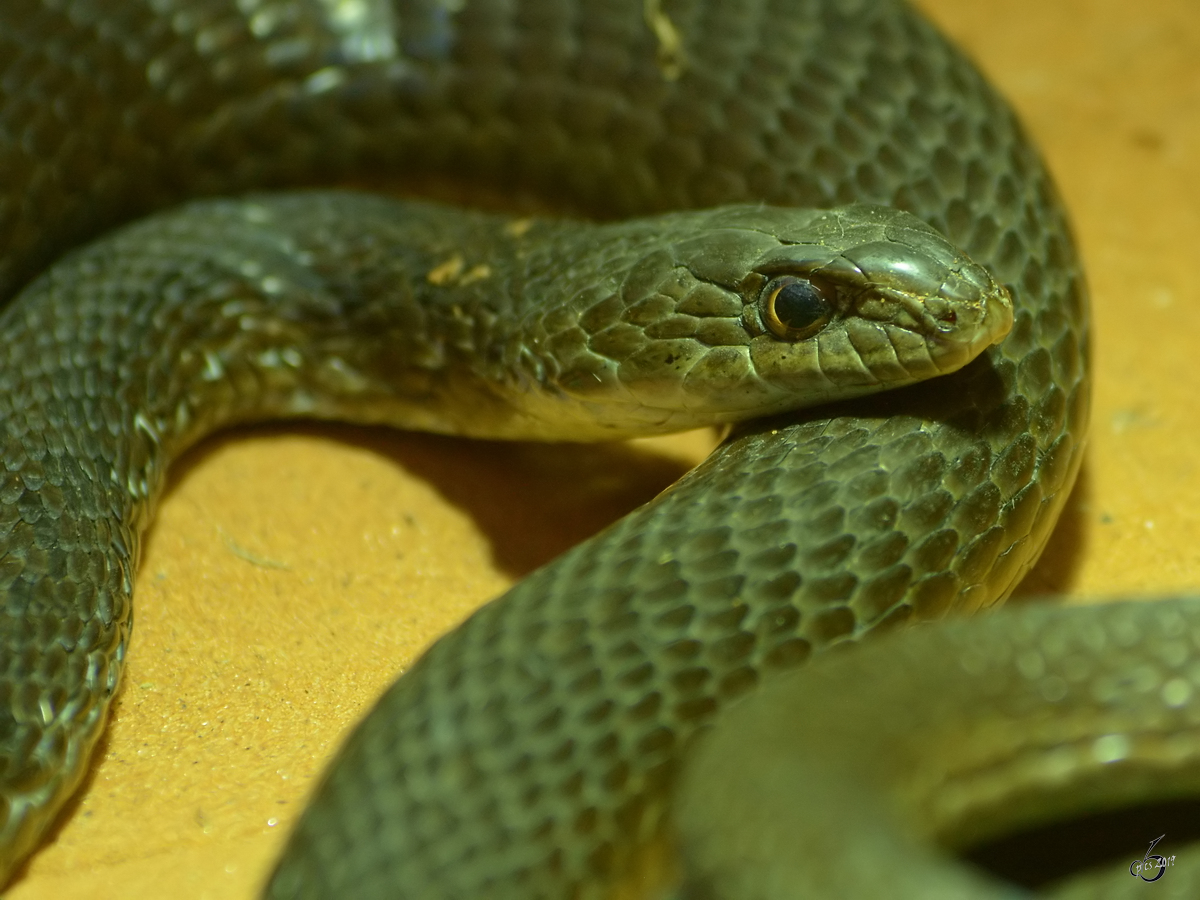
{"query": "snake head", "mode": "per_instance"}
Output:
(744, 311)
(866, 298)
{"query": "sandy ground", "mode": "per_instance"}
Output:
(267, 565)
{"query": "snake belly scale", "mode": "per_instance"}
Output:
(531, 752)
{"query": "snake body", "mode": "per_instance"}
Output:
(1071, 712)
(533, 751)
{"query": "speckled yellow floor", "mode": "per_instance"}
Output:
(279, 594)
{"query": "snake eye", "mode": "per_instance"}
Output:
(796, 308)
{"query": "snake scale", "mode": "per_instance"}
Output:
(534, 751)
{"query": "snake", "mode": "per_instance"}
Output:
(812, 220)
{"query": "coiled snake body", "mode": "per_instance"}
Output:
(533, 751)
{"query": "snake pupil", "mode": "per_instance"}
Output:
(795, 308)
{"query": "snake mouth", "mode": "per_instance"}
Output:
(969, 312)
(978, 323)
(998, 311)
(960, 335)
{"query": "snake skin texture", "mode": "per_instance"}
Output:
(531, 753)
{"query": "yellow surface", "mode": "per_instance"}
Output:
(279, 595)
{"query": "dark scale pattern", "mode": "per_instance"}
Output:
(530, 751)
